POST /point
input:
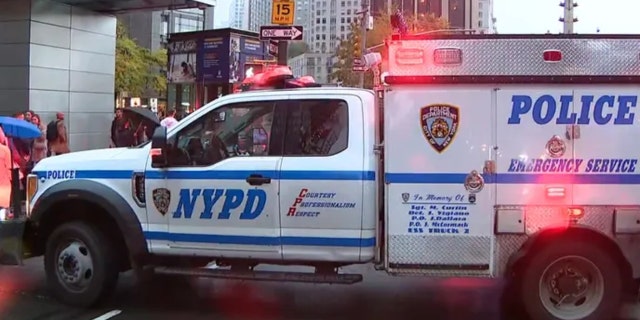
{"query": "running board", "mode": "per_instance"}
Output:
(303, 277)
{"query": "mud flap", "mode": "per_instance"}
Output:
(11, 235)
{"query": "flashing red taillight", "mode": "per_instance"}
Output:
(556, 192)
(552, 55)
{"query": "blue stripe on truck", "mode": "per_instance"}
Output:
(514, 178)
(261, 240)
(345, 175)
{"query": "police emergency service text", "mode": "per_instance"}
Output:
(586, 109)
(574, 165)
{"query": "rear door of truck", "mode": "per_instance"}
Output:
(439, 207)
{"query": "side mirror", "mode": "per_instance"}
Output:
(159, 147)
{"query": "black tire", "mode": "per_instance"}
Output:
(104, 272)
(608, 307)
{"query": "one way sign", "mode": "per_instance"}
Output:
(281, 33)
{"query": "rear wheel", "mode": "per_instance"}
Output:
(569, 280)
(80, 264)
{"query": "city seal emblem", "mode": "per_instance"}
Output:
(439, 123)
(162, 199)
(556, 147)
(405, 197)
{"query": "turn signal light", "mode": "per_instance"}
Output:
(155, 152)
(575, 213)
(31, 189)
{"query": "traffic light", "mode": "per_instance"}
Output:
(356, 45)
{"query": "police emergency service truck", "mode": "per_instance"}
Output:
(482, 156)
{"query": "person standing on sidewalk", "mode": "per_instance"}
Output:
(170, 120)
(57, 136)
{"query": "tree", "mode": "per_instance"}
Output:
(137, 68)
(295, 49)
(342, 69)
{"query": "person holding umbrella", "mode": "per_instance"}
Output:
(14, 128)
(6, 164)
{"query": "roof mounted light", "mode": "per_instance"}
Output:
(447, 56)
(410, 56)
(552, 55)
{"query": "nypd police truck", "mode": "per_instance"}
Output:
(480, 156)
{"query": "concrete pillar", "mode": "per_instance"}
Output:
(58, 58)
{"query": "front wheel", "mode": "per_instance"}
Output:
(571, 280)
(80, 265)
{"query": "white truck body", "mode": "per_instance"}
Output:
(483, 151)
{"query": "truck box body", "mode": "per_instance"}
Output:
(543, 135)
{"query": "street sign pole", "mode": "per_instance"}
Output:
(283, 47)
(282, 14)
(283, 34)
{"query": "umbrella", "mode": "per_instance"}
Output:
(142, 114)
(19, 129)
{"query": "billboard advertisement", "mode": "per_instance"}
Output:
(182, 61)
(243, 50)
(214, 60)
(234, 59)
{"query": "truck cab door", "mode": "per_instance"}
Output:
(322, 180)
(222, 183)
(439, 201)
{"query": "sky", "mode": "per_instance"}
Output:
(221, 14)
(539, 16)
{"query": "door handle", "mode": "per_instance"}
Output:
(257, 180)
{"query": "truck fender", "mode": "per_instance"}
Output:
(543, 237)
(98, 194)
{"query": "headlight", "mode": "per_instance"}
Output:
(32, 188)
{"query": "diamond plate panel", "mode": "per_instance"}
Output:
(506, 246)
(439, 250)
(476, 250)
(440, 273)
(523, 57)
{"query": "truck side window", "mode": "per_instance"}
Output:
(237, 130)
(317, 127)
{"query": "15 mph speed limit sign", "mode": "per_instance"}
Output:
(283, 12)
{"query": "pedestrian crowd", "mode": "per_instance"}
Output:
(25, 153)
(125, 132)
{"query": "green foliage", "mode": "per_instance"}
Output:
(342, 69)
(137, 68)
(296, 48)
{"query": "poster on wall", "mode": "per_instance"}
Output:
(182, 61)
(213, 61)
(234, 59)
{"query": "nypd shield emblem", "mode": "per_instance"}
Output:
(405, 197)
(162, 199)
(439, 124)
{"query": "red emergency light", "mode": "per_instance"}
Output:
(277, 77)
(552, 55)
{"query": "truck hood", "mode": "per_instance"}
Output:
(101, 159)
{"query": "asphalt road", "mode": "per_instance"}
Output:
(22, 297)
